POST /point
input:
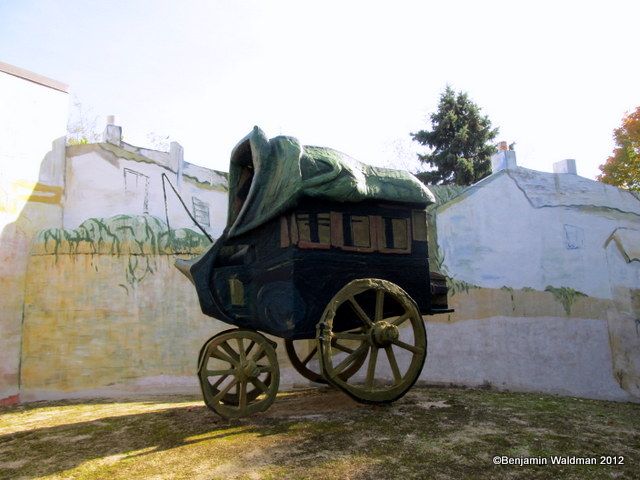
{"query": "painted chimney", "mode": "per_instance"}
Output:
(112, 133)
(176, 161)
(503, 159)
(565, 166)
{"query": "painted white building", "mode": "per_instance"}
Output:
(113, 178)
(523, 228)
(545, 272)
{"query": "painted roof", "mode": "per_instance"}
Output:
(284, 172)
(544, 189)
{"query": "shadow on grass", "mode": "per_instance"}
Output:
(50, 450)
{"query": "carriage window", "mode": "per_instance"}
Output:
(324, 227)
(356, 231)
(314, 227)
(395, 233)
(304, 227)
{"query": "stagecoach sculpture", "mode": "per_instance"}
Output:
(320, 250)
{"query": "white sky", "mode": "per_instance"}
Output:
(556, 77)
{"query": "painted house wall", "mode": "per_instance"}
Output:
(103, 180)
(546, 298)
(34, 114)
(496, 234)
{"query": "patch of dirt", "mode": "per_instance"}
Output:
(312, 404)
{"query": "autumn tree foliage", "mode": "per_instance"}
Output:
(460, 140)
(622, 168)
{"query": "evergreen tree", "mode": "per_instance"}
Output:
(460, 142)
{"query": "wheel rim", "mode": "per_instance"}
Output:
(381, 337)
(238, 372)
(306, 365)
(233, 398)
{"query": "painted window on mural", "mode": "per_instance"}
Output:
(201, 211)
(395, 233)
(136, 183)
(314, 228)
(356, 230)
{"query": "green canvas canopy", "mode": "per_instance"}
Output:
(269, 177)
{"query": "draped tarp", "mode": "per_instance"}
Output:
(269, 177)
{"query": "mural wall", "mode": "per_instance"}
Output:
(543, 269)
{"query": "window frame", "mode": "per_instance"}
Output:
(381, 234)
(373, 238)
(307, 244)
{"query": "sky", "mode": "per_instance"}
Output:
(555, 77)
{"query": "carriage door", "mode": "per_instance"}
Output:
(232, 278)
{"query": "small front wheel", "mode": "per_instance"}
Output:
(238, 373)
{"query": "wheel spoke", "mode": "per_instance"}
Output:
(259, 384)
(248, 349)
(219, 381)
(310, 356)
(397, 377)
(265, 368)
(350, 358)
(243, 394)
(260, 352)
(401, 319)
(240, 342)
(358, 309)
(350, 336)
(342, 348)
(230, 351)
(224, 391)
(215, 373)
(371, 369)
(406, 346)
(379, 304)
(221, 356)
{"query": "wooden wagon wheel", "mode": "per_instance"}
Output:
(252, 391)
(381, 309)
(238, 372)
(302, 363)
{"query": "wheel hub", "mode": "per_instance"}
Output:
(247, 370)
(384, 333)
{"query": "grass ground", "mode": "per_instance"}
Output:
(320, 434)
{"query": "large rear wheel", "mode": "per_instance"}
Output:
(390, 338)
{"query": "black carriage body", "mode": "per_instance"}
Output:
(302, 223)
(279, 278)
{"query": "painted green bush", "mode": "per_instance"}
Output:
(565, 295)
(122, 235)
(140, 238)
